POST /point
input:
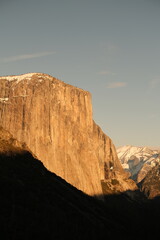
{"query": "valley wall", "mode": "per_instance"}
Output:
(54, 121)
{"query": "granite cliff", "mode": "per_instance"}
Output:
(53, 120)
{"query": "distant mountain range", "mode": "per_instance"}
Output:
(138, 160)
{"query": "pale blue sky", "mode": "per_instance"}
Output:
(108, 47)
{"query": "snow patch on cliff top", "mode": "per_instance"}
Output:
(39, 77)
(19, 78)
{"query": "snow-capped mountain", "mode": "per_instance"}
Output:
(138, 160)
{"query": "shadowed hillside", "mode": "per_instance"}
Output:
(37, 204)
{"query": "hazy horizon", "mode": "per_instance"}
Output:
(110, 48)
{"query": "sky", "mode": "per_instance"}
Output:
(110, 48)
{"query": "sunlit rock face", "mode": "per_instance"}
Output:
(53, 120)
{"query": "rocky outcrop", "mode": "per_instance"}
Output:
(150, 185)
(53, 120)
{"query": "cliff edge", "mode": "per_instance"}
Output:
(54, 121)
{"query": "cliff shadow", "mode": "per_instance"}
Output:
(136, 212)
(36, 203)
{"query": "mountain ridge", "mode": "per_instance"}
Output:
(138, 160)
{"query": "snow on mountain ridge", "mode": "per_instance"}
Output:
(138, 160)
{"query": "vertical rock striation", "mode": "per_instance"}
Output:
(54, 120)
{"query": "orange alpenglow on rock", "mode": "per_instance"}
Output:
(53, 120)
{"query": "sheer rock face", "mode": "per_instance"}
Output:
(54, 121)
